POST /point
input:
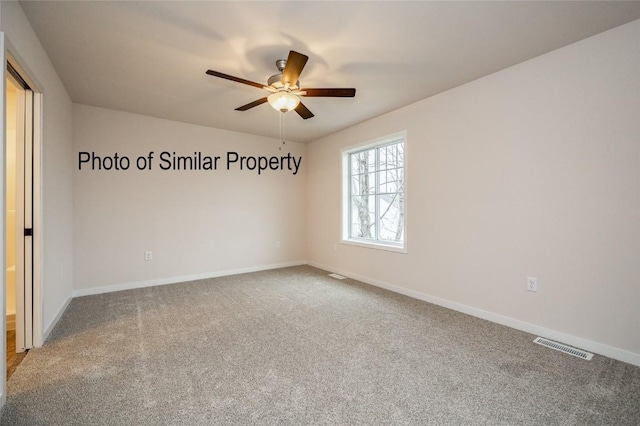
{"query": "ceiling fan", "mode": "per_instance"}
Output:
(285, 88)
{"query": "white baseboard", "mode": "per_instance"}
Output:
(180, 279)
(54, 321)
(589, 345)
(11, 322)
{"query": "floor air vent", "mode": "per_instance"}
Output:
(563, 348)
(337, 277)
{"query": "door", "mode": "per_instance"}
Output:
(23, 157)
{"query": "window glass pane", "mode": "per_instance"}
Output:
(400, 155)
(363, 184)
(382, 181)
(391, 217)
(356, 163)
(371, 157)
(382, 152)
(390, 156)
(363, 216)
(355, 185)
(390, 180)
(363, 161)
(353, 158)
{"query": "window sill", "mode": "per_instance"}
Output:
(375, 246)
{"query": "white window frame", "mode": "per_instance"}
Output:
(346, 193)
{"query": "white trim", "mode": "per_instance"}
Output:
(3, 260)
(374, 245)
(11, 322)
(382, 140)
(20, 65)
(181, 279)
(55, 319)
(599, 348)
(28, 218)
(38, 124)
(3, 263)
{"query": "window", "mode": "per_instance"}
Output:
(374, 198)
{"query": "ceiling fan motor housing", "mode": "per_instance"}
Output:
(276, 79)
(276, 82)
(281, 63)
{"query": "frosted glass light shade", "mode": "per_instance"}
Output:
(283, 101)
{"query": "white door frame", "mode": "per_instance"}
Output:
(7, 55)
(36, 314)
(3, 205)
(24, 211)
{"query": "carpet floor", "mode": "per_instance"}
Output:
(293, 346)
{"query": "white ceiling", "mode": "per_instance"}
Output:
(150, 57)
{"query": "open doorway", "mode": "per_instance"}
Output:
(19, 218)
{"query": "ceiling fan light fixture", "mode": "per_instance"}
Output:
(283, 101)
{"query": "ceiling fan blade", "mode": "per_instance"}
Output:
(330, 93)
(295, 63)
(252, 104)
(303, 111)
(236, 79)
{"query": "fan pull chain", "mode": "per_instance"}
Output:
(281, 130)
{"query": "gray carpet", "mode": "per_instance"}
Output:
(293, 346)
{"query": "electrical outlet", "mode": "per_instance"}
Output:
(532, 284)
(277, 244)
(148, 255)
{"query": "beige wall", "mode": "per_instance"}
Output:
(56, 229)
(531, 171)
(196, 223)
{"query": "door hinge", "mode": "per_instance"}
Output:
(28, 232)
